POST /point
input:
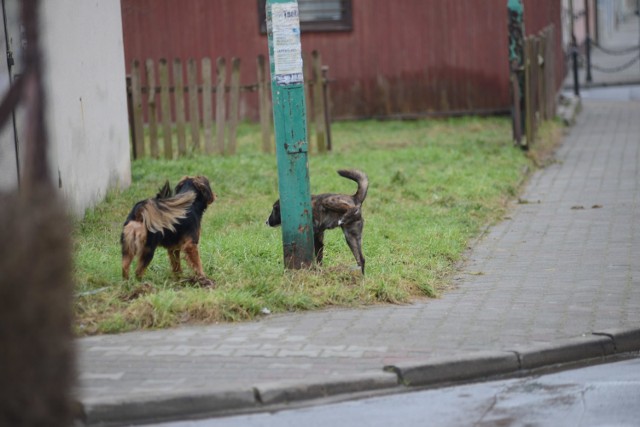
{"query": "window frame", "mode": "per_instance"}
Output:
(344, 24)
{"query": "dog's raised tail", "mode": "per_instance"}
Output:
(162, 214)
(362, 180)
(165, 191)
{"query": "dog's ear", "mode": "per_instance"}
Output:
(180, 184)
(274, 218)
(276, 209)
(202, 185)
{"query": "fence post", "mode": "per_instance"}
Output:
(152, 108)
(515, 13)
(587, 16)
(221, 110)
(528, 101)
(574, 63)
(307, 76)
(325, 102)
(551, 70)
(535, 101)
(542, 103)
(263, 100)
(132, 127)
(234, 104)
(207, 109)
(318, 108)
(136, 95)
(517, 117)
(194, 108)
(287, 90)
(178, 92)
(165, 103)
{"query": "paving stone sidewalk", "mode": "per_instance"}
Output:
(564, 263)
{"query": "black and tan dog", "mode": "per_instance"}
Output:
(169, 220)
(332, 210)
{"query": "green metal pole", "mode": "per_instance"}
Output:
(290, 125)
(515, 12)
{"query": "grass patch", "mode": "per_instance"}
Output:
(434, 184)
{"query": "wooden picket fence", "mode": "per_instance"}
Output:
(534, 86)
(540, 90)
(172, 118)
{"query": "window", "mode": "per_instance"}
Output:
(317, 15)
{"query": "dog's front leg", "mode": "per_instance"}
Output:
(193, 259)
(318, 246)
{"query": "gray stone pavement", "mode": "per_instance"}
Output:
(557, 280)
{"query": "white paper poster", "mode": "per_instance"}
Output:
(287, 50)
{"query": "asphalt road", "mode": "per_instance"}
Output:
(600, 395)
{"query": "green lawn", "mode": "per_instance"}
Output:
(434, 185)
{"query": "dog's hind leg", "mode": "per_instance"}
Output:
(353, 236)
(144, 259)
(132, 239)
(174, 259)
(127, 258)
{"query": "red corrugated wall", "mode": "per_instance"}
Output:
(407, 57)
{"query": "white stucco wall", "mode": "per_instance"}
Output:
(86, 99)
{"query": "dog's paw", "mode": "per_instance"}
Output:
(205, 282)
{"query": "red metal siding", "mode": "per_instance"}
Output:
(402, 57)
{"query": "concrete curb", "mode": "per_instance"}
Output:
(155, 408)
(286, 392)
(571, 350)
(624, 340)
(459, 368)
(402, 376)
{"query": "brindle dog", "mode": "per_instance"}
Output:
(331, 210)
